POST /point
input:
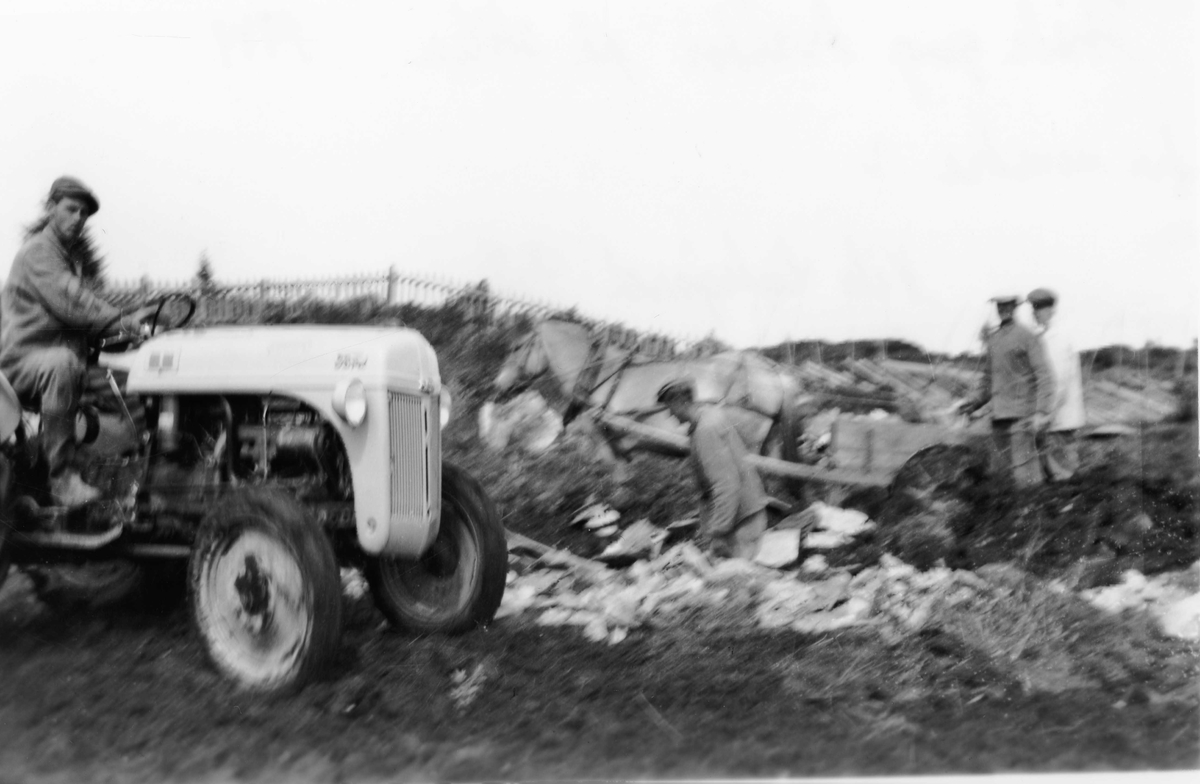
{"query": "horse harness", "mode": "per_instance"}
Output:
(588, 380)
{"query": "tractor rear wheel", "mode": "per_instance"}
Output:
(939, 472)
(458, 583)
(265, 592)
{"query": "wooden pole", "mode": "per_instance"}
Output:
(764, 465)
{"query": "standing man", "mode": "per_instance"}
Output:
(48, 310)
(734, 516)
(1017, 381)
(1059, 449)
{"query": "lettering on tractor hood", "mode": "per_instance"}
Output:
(355, 361)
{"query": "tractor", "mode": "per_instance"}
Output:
(256, 463)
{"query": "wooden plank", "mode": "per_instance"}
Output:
(826, 374)
(518, 541)
(941, 370)
(918, 383)
(764, 465)
(866, 371)
(835, 476)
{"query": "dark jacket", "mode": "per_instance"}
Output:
(1016, 376)
(49, 300)
(731, 488)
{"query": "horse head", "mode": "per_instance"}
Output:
(524, 363)
(555, 346)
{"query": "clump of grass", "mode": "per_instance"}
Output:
(1052, 641)
(1021, 630)
(850, 667)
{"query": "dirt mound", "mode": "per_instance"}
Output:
(1133, 506)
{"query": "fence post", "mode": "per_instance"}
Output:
(262, 300)
(392, 280)
(198, 297)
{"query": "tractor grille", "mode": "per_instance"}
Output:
(408, 417)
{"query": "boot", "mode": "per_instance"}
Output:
(70, 490)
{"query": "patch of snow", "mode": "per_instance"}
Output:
(1175, 608)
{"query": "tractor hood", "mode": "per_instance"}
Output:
(282, 359)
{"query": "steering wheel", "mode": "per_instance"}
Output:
(149, 315)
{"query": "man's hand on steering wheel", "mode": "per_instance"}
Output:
(128, 329)
(133, 328)
(137, 324)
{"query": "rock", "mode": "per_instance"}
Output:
(354, 585)
(739, 571)
(800, 521)
(621, 609)
(1004, 574)
(779, 548)
(596, 516)
(853, 613)
(814, 564)
(782, 602)
(640, 540)
(596, 630)
(971, 580)
(894, 568)
(516, 600)
(1133, 581)
(526, 421)
(824, 540)
(844, 521)
(555, 616)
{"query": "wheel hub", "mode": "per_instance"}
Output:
(442, 558)
(253, 588)
(255, 609)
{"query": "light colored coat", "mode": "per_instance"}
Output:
(731, 489)
(1067, 409)
(49, 301)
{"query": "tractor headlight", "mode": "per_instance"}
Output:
(444, 405)
(350, 401)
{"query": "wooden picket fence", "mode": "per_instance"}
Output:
(231, 303)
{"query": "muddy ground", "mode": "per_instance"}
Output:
(124, 694)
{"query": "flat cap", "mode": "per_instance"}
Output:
(675, 388)
(1006, 299)
(69, 186)
(1041, 297)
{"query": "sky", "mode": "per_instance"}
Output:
(759, 171)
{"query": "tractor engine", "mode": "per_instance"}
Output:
(293, 444)
(206, 441)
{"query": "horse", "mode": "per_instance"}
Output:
(764, 402)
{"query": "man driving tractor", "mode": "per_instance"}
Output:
(49, 310)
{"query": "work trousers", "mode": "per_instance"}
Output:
(1060, 454)
(744, 540)
(1016, 451)
(51, 380)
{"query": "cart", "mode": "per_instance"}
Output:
(920, 458)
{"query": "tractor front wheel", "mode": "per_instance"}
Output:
(458, 583)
